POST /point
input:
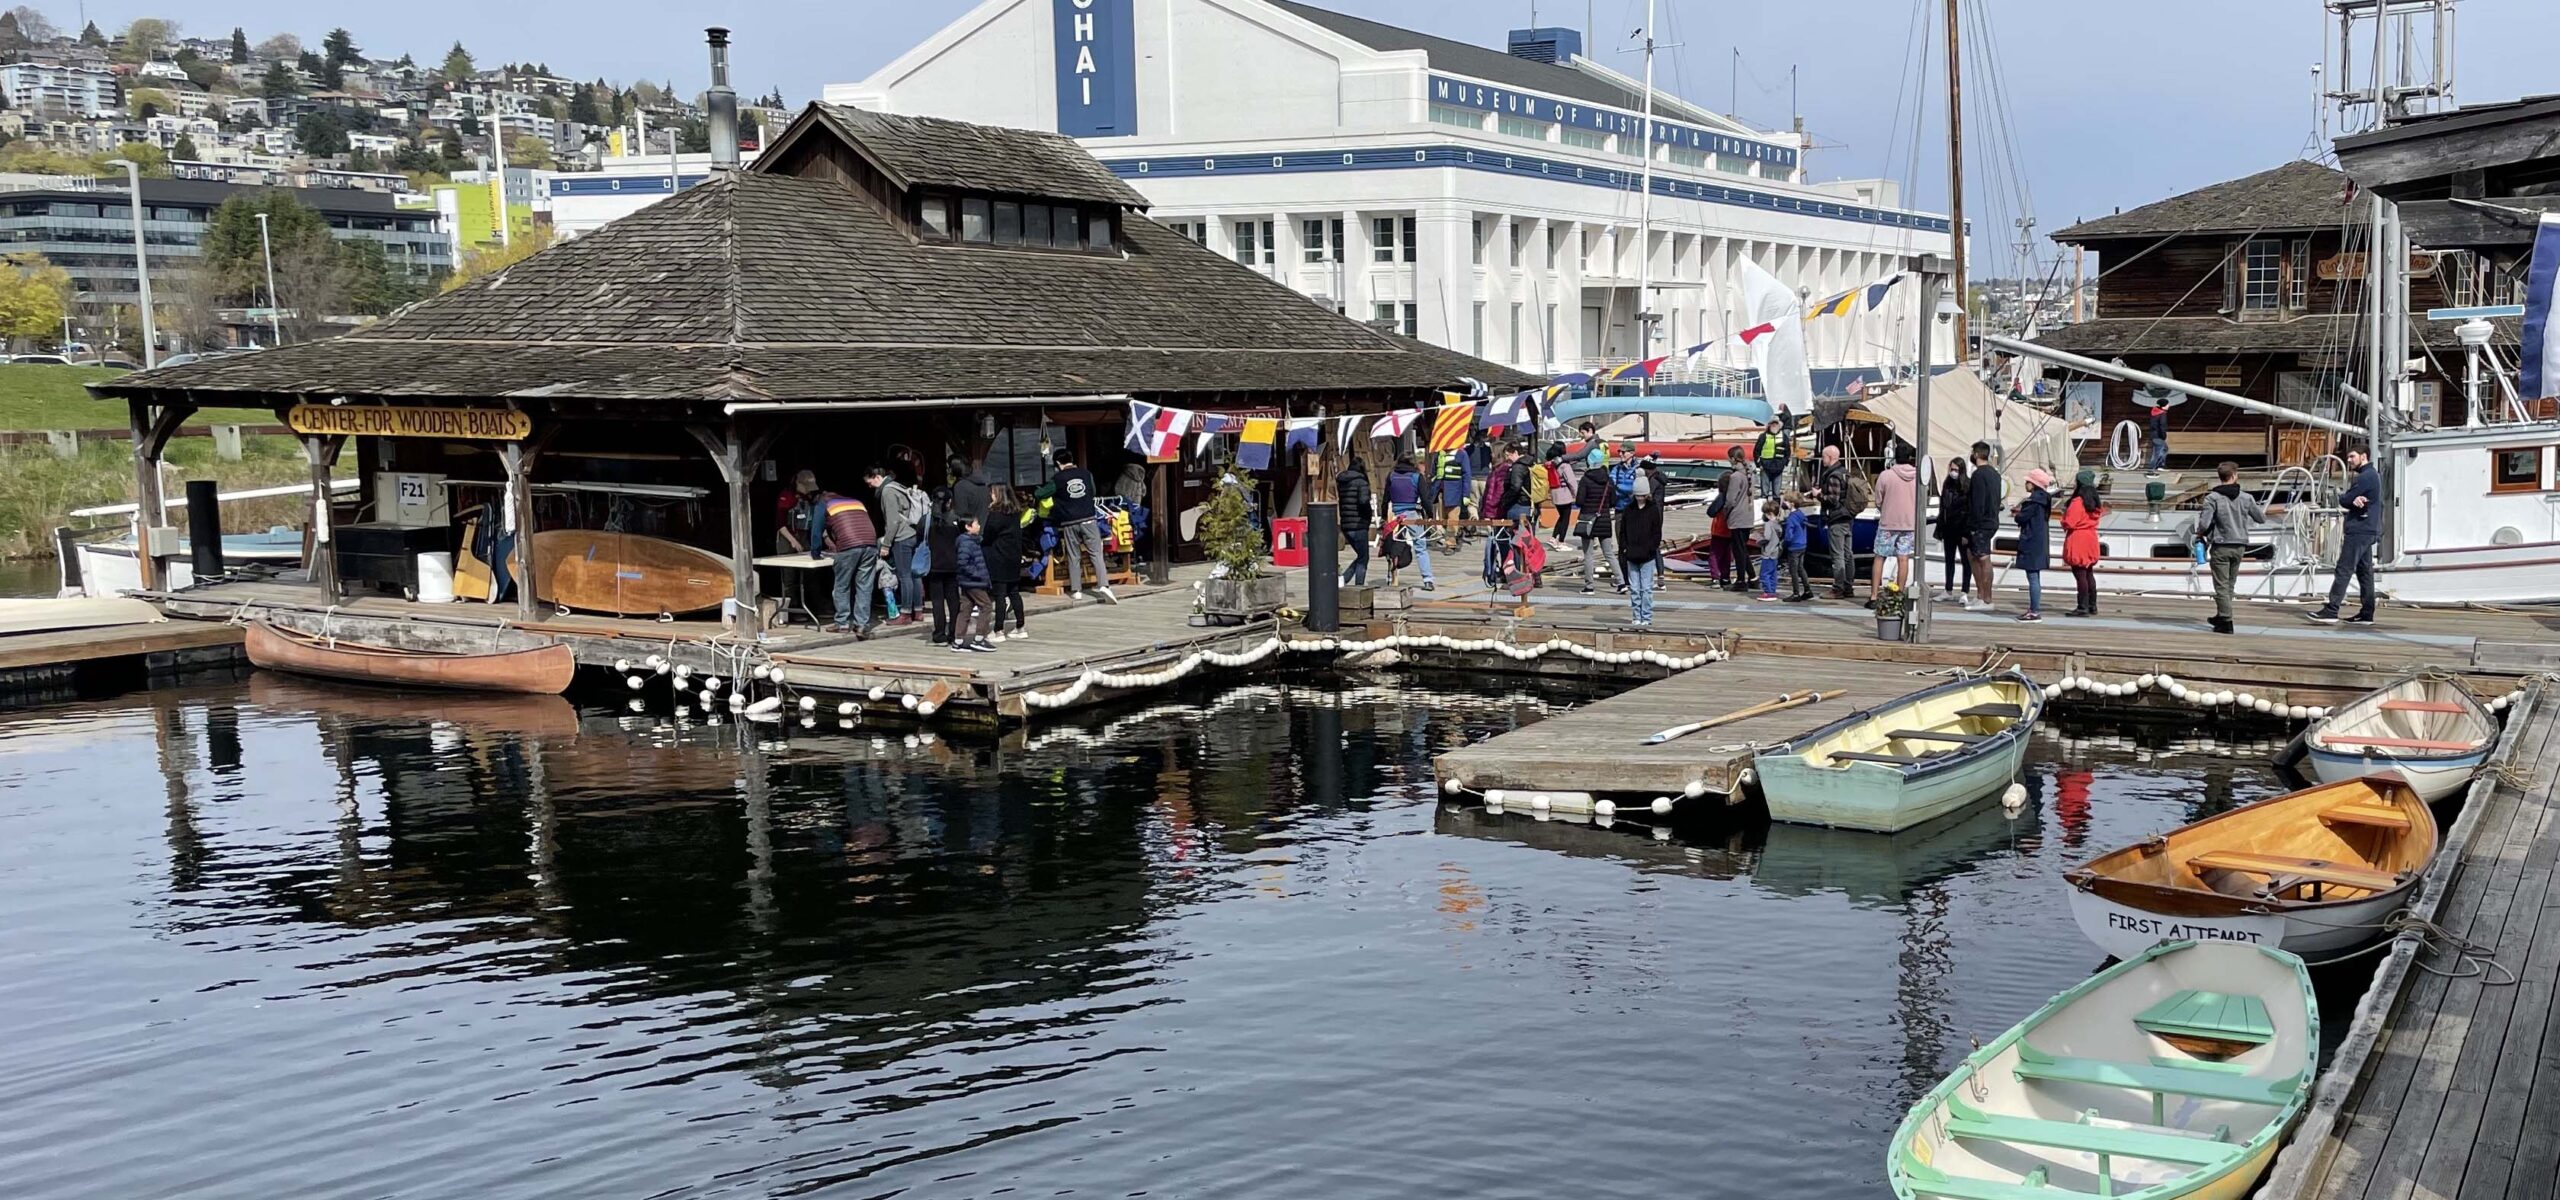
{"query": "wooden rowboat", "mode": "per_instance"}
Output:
(627, 574)
(2429, 730)
(542, 670)
(2313, 872)
(2173, 1074)
(1918, 757)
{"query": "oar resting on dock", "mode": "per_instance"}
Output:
(1785, 700)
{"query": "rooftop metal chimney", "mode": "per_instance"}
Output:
(723, 104)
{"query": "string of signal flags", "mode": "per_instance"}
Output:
(1156, 431)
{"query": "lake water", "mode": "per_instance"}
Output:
(272, 938)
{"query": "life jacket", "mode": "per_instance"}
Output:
(1450, 468)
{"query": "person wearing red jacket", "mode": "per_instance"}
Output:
(2080, 549)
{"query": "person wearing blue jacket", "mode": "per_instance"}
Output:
(2358, 535)
(974, 629)
(2035, 539)
(1797, 534)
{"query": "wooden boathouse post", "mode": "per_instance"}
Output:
(321, 451)
(152, 427)
(736, 457)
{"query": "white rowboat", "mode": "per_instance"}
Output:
(1911, 759)
(2426, 729)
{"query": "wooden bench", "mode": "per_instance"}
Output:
(2203, 1022)
(2380, 816)
(2389, 743)
(2160, 1081)
(2106, 1141)
(1900, 760)
(2283, 866)
(1932, 735)
(2006, 712)
(2433, 706)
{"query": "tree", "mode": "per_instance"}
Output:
(145, 103)
(582, 108)
(451, 151)
(470, 124)
(374, 284)
(89, 35)
(309, 64)
(413, 156)
(200, 72)
(526, 150)
(751, 127)
(146, 38)
(33, 295)
(239, 44)
(33, 26)
(283, 47)
(310, 279)
(12, 42)
(647, 94)
(321, 134)
(279, 82)
(457, 65)
(153, 161)
(185, 149)
(363, 160)
(694, 136)
(340, 46)
(488, 260)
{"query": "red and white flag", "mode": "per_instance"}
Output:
(1155, 431)
(1395, 424)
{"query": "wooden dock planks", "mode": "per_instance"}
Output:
(1600, 748)
(2458, 1099)
(65, 646)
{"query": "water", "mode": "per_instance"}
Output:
(278, 939)
(29, 577)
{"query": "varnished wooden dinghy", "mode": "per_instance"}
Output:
(2314, 872)
(542, 670)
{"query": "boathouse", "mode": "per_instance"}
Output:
(2253, 286)
(952, 300)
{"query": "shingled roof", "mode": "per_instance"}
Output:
(2215, 335)
(935, 151)
(2299, 195)
(757, 287)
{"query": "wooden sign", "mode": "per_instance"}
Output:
(2222, 377)
(2350, 265)
(376, 420)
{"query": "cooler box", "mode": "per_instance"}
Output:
(1288, 541)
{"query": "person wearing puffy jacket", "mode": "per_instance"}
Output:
(977, 606)
(1351, 505)
(1597, 499)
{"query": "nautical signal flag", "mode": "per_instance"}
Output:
(1395, 424)
(1254, 452)
(1503, 412)
(1449, 429)
(1837, 306)
(1757, 332)
(1305, 433)
(2540, 376)
(1876, 292)
(1639, 370)
(1155, 431)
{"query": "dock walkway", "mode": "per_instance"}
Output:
(2458, 1082)
(1600, 748)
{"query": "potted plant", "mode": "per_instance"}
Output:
(1892, 606)
(1236, 590)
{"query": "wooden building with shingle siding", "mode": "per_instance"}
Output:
(2253, 286)
(875, 288)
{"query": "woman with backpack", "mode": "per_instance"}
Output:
(1597, 500)
(941, 549)
(2080, 549)
(1563, 482)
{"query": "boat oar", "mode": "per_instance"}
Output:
(1785, 700)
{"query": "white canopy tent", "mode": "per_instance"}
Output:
(1962, 411)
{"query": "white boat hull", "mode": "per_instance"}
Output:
(2125, 932)
(2432, 778)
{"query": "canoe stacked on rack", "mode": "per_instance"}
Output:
(2427, 729)
(2316, 871)
(2173, 1074)
(1907, 761)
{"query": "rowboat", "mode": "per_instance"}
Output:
(2312, 872)
(2172, 1074)
(628, 574)
(541, 670)
(2426, 729)
(1917, 757)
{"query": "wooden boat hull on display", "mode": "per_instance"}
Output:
(541, 670)
(2312, 872)
(2174, 1074)
(626, 574)
(1910, 760)
(2426, 729)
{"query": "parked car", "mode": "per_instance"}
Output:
(50, 360)
(121, 364)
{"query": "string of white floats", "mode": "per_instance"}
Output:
(1198, 659)
(2175, 689)
(770, 709)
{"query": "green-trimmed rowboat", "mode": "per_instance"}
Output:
(1906, 761)
(2173, 1075)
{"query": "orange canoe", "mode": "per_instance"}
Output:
(543, 670)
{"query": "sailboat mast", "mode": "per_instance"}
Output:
(1644, 214)
(1955, 181)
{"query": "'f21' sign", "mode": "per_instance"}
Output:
(1097, 68)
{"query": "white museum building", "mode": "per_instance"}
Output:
(1482, 200)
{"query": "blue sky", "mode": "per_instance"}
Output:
(2112, 103)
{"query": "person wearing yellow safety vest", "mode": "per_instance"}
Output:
(1771, 450)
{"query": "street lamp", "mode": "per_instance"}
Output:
(275, 326)
(141, 266)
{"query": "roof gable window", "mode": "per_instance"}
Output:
(1014, 222)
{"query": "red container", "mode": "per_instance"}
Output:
(1288, 541)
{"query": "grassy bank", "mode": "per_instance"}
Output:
(37, 489)
(35, 396)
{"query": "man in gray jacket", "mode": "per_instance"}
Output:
(2223, 526)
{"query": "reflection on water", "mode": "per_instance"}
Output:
(302, 941)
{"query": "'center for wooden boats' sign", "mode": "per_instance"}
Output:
(375, 420)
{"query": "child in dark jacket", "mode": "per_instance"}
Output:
(978, 603)
(1798, 521)
(941, 589)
